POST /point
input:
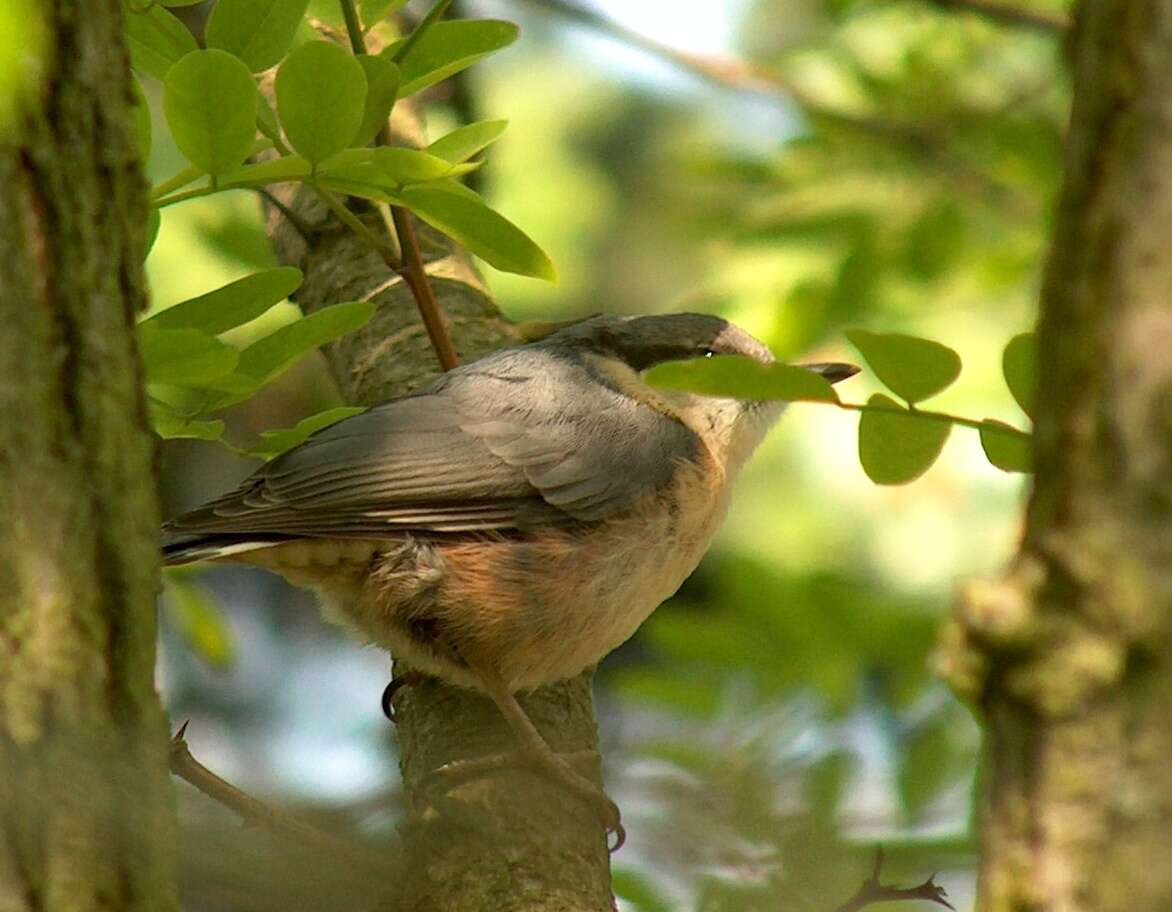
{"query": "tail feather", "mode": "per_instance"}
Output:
(214, 547)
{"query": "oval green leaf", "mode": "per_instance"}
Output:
(449, 47)
(169, 424)
(274, 171)
(274, 443)
(232, 305)
(1006, 447)
(1019, 364)
(266, 359)
(461, 144)
(910, 367)
(897, 446)
(735, 377)
(382, 86)
(200, 621)
(410, 166)
(321, 96)
(157, 40)
(259, 32)
(183, 357)
(464, 217)
(210, 102)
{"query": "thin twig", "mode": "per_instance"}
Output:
(190, 770)
(411, 268)
(1049, 23)
(872, 891)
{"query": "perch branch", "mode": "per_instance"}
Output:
(872, 891)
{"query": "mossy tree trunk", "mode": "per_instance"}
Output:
(85, 798)
(1070, 656)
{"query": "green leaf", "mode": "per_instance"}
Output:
(183, 357)
(374, 11)
(1006, 447)
(734, 377)
(199, 620)
(321, 94)
(272, 355)
(259, 32)
(169, 424)
(912, 368)
(142, 119)
(210, 102)
(407, 166)
(461, 144)
(232, 305)
(1019, 364)
(274, 171)
(274, 443)
(449, 47)
(897, 446)
(382, 84)
(154, 220)
(157, 40)
(464, 217)
(266, 118)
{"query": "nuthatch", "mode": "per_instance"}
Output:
(516, 520)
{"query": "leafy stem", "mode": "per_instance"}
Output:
(412, 267)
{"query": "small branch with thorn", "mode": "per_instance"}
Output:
(872, 891)
(255, 812)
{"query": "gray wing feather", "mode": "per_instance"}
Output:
(493, 446)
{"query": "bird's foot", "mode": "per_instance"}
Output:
(557, 767)
(410, 679)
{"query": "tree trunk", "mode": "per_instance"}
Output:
(85, 798)
(1069, 658)
(512, 841)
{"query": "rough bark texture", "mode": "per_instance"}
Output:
(1069, 658)
(510, 841)
(85, 798)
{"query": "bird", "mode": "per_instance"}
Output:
(513, 522)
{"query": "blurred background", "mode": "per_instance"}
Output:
(799, 167)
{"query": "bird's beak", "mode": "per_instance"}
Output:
(834, 371)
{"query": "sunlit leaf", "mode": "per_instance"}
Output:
(231, 305)
(895, 445)
(449, 47)
(461, 144)
(157, 40)
(183, 357)
(382, 85)
(199, 620)
(210, 103)
(259, 32)
(321, 95)
(406, 166)
(274, 443)
(274, 171)
(1006, 447)
(1020, 367)
(910, 367)
(486, 233)
(735, 377)
(272, 355)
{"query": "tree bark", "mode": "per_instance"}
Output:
(1069, 657)
(512, 841)
(86, 817)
